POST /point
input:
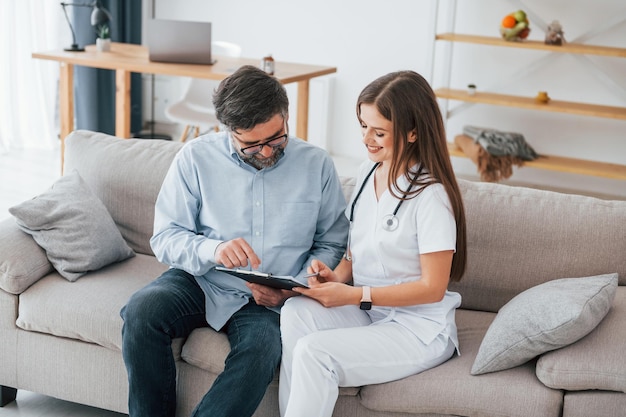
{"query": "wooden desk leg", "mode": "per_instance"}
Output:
(302, 116)
(122, 103)
(66, 104)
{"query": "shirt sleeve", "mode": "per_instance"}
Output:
(332, 226)
(436, 225)
(176, 241)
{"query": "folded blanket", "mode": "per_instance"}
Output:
(494, 152)
(499, 143)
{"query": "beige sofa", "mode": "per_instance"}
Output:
(62, 338)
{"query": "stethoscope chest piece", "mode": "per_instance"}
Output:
(390, 222)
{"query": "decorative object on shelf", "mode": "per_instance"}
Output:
(267, 64)
(515, 26)
(471, 89)
(99, 16)
(542, 97)
(554, 34)
(494, 152)
(103, 41)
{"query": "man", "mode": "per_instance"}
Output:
(249, 197)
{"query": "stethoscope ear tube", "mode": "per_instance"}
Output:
(390, 221)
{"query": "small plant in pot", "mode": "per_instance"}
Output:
(103, 42)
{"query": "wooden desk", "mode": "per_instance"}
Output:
(127, 58)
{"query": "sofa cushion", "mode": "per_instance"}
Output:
(195, 353)
(594, 404)
(544, 318)
(126, 175)
(74, 228)
(519, 237)
(88, 309)
(449, 389)
(596, 362)
(22, 261)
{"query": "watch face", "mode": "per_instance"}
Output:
(366, 305)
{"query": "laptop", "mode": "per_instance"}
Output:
(179, 41)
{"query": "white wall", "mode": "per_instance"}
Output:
(368, 38)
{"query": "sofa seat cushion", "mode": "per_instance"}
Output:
(596, 362)
(87, 309)
(449, 389)
(195, 353)
(594, 403)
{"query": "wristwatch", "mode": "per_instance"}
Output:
(366, 299)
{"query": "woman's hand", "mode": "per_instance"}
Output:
(324, 273)
(331, 294)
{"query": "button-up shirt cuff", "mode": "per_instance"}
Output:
(207, 249)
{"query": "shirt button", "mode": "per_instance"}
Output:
(258, 203)
(257, 233)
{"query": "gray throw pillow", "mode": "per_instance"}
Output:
(543, 318)
(73, 226)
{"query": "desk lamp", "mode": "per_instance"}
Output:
(99, 16)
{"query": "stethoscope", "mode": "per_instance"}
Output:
(390, 221)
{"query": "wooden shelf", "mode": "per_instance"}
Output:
(581, 109)
(571, 48)
(571, 165)
(547, 162)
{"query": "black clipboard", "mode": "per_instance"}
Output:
(283, 282)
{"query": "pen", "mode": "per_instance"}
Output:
(316, 274)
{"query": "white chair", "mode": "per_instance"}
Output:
(195, 109)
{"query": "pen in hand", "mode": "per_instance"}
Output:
(316, 274)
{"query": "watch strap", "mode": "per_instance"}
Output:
(366, 298)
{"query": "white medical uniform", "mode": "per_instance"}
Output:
(327, 348)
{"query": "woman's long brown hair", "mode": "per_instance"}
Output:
(406, 99)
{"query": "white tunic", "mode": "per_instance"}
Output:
(381, 257)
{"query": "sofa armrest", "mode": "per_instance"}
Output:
(22, 261)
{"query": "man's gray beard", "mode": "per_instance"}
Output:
(252, 160)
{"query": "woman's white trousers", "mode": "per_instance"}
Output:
(328, 348)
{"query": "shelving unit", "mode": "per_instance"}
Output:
(581, 109)
(547, 162)
(571, 165)
(567, 48)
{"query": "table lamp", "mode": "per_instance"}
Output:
(99, 16)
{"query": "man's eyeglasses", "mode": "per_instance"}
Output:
(273, 142)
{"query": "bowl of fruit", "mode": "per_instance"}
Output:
(515, 26)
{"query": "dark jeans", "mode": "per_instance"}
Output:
(173, 306)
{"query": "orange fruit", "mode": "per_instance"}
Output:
(508, 21)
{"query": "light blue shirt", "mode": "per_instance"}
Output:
(289, 213)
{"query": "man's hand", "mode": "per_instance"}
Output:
(268, 296)
(235, 254)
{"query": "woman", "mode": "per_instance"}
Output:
(406, 242)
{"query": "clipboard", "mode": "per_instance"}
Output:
(283, 282)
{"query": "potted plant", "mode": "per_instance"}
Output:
(103, 42)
